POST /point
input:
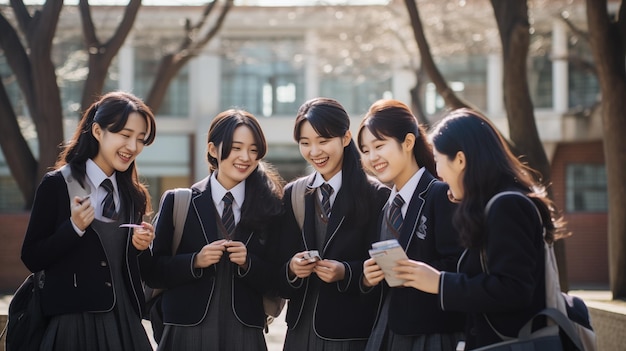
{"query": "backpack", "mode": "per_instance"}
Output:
(570, 313)
(26, 323)
(272, 304)
(182, 199)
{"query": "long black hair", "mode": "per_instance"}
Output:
(490, 168)
(111, 112)
(329, 119)
(389, 118)
(264, 186)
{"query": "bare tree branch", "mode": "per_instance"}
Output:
(579, 32)
(101, 55)
(16, 58)
(451, 99)
(173, 62)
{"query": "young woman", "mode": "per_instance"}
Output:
(395, 149)
(92, 290)
(326, 311)
(215, 282)
(474, 159)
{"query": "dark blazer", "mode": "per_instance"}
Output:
(77, 273)
(515, 289)
(428, 236)
(341, 312)
(189, 291)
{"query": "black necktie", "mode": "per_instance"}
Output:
(108, 204)
(326, 190)
(228, 217)
(395, 213)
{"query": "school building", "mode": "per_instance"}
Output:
(270, 59)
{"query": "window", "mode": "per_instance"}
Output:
(263, 76)
(466, 76)
(584, 89)
(356, 95)
(586, 188)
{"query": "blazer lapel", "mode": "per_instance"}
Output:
(203, 202)
(308, 230)
(413, 216)
(337, 217)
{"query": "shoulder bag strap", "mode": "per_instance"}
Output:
(182, 199)
(297, 200)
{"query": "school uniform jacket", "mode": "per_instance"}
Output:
(340, 311)
(189, 290)
(427, 234)
(77, 272)
(514, 290)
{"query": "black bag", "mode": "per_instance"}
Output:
(26, 323)
(545, 339)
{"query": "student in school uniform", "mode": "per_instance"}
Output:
(500, 281)
(418, 214)
(216, 280)
(341, 203)
(92, 288)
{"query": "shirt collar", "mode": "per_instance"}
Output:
(218, 191)
(335, 181)
(96, 175)
(408, 189)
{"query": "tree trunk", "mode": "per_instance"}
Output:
(36, 77)
(428, 64)
(607, 39)
(417, 93)
(101, 55)
(513, 25)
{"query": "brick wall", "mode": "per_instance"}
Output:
(12, 270)
(586, 249)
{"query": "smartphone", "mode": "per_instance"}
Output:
(131, 225)
(311, 256)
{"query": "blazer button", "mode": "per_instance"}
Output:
(108, 284)
(103, 263)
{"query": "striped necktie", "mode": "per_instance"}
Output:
(228, 217)
(395, 213)
(326, 190)
(108, 204)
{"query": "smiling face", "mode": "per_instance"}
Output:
(242, 160)
(389, 160)
(118, 150)
(451, 171)
(324, 154)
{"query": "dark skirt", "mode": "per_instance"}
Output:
(220, 329)
(304, 337)
(383, 339)
(118, 329)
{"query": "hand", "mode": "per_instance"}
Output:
(210, 254)
(330, 270)
(372, 274)
(418, 275)
(82, 213)
(142, 237)
(237, 253)
(301, 267)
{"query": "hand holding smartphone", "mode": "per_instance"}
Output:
(311, 256)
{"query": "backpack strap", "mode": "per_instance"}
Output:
(182, 199)
(297, 199)
(73, 186)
